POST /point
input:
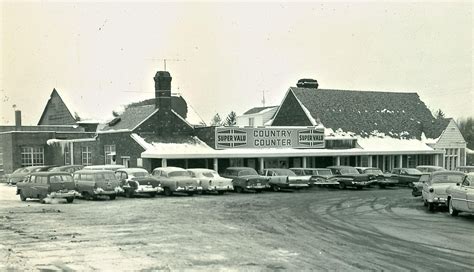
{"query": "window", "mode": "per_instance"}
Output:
(31, 156)
(86, 155)
(251, 122)
(67, 155)
(109, 151)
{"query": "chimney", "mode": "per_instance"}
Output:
(17, 118)
(308, 83)
(163, 90)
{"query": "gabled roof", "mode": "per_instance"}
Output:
(258, 109)
(363, 112)
(130, 118)
(60, 110)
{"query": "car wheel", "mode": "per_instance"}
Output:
(129, 193)
(70, 199)
(342, 185)
(168, 191)
(152, 194)
(276, 188)
(112, 197)
(22, 196)
(451, 209)
(220, 192)
(238, 189)
(431, 207)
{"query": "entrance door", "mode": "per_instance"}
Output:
(126, 161)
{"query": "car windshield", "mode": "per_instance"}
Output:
(325, 172)
(373, 171)
(284, 172)
(413, 172)
(424, 178)
(140, 174)
(248, 172)
(179, 174)
(107, 176)
(210, 174)
(346, 171)
(19, 170)
(60, 179)
(447, 178)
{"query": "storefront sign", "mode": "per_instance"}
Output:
(269, 137)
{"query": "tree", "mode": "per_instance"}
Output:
(231, 119)
(466, 126)
(440, 114)
(216, 120)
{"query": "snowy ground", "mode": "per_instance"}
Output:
(316, 229)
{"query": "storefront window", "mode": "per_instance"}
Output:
(31, 156)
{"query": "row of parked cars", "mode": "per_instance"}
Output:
(92, 182)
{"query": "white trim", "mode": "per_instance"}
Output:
(140, 141)
(113, 131)
(148, 117)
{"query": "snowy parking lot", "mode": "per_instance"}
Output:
(320, 229)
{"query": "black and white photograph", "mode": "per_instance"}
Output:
(236, 135)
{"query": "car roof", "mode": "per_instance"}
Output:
(199, 170)
(238, 168)
(50, 173)
(276, 169)
(169, 168)
(340, 166)
(93, 171)
(105, 166)
(430, 166)
(301, 168)
(447, 172)
(132, 169)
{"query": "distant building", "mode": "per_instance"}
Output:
(256, 117)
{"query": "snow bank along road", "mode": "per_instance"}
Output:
(316, 229)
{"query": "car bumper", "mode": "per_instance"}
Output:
(219, 188)
(437, 200)
(100, 191)
(257, 186)
(147, 190)
(297, 185)
(186, 189)
(64, 194)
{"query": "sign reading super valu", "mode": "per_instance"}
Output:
(269, 137)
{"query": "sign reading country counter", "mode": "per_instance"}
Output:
(269, 137)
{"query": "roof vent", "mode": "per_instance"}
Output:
(114, 121)
(307, 83)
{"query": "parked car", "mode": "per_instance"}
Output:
(465, 169)
(348, 176)
(112, 167)
(66, 168)
(318, 176)
(246, 179)
(21, 173)
(137, 181)
(94, 183)
(383, 180)
(434, 189)
(418, 185)
(210, 181)
(43, 185)
(406, 176)
(175, 180)
(429, 168)
(461, 196)
(281, 178)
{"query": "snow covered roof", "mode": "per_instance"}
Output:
(193, 147)
(399, 114)
(259, 110)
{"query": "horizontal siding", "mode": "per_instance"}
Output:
(451, 137)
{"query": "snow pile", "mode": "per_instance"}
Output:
(339, 134)
(428, 141)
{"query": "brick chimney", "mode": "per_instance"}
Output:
(17, 118)
(163, 90)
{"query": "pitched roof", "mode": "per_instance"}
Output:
(363, 112)
(130, 118)
(60, 110)
(258, 109)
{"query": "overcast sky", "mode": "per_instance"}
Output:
(100, 56)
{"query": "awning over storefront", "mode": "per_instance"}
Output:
(198, 149)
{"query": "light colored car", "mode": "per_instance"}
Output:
(175, 180)
(285, 179)
(461, 196)
(434, 189)
(137, 181)
(318, 176)
(210, 181)
(465, 169)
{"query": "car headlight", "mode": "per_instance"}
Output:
(431, 190)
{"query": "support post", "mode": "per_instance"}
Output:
(261, 164)
(400, 161)
(338, 160)
(216, 164)
(369, 161)
(164, 163)
(305, 162)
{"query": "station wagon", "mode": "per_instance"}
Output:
(43, 185)
(94, 183)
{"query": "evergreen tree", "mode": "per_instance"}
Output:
(231, 119)
(440, 114)
(216, 120)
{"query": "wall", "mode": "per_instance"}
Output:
(56, 112)
(291, 113)
(166, 124)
